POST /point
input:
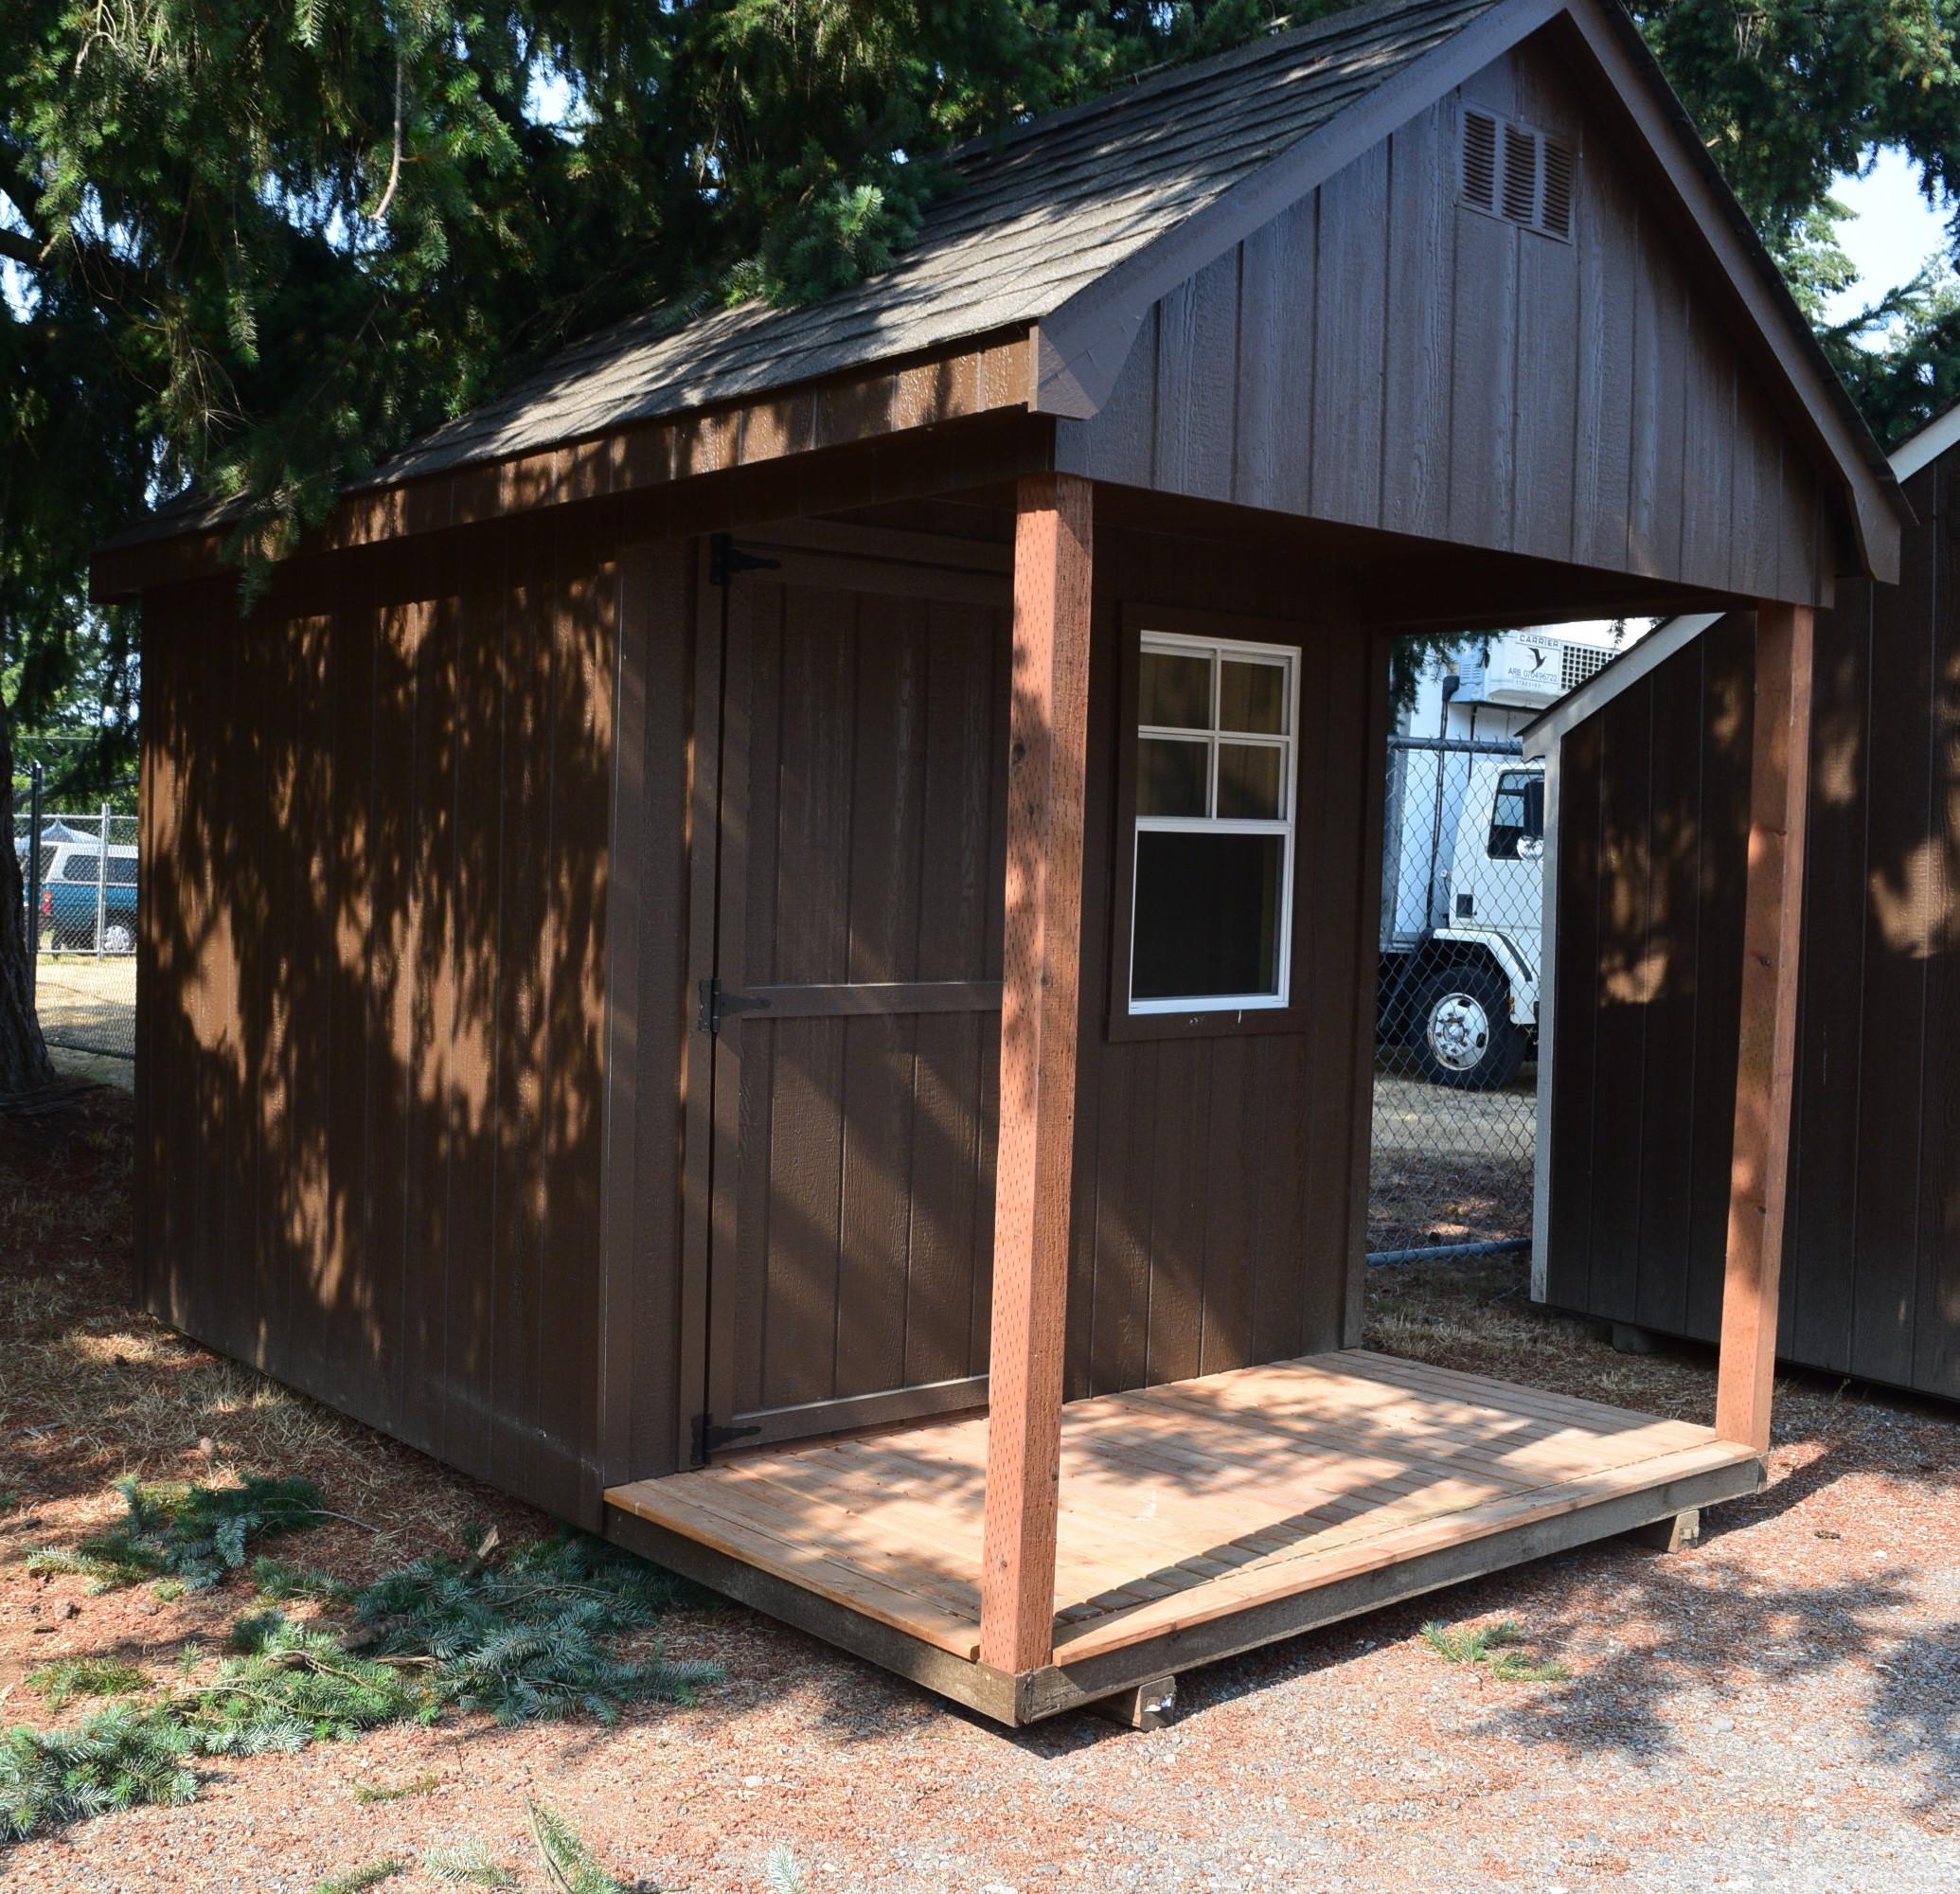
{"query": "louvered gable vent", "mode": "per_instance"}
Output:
(1480, 161)
(1519, 173)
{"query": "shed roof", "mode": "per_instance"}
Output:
(1069, 226)
(1040, 214)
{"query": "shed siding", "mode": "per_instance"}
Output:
(1213, 1174)
(644, 1386)
(1651, 846)
(1381, 355)
(372, 983)
(411, 1146)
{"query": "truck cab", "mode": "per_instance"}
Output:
(1467, 994)
(1462, 881)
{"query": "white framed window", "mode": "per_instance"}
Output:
(1211, 908)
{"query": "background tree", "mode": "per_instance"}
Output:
(258, 245)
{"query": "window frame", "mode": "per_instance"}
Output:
(1529, 780)
(1223, 635)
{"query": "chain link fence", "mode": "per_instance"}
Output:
(79, 874)
(1455, 1114)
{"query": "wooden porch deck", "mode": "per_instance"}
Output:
(1197, 1518)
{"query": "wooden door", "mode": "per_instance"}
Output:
(856, 998)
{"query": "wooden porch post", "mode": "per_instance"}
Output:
(1041, 957)
(1766, 1057)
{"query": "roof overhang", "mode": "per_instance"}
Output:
(1066, 363)
(981, 376)
(1626, 671)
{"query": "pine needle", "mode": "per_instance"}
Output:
(467, 1864)
(357, 1880)
(195, 1534)
(85, 1677)
(571, 1866)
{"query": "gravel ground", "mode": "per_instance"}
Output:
(1777, 1708)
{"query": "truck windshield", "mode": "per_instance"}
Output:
(1517, 813)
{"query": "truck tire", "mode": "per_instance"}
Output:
(1464, 1033)
(118, 937)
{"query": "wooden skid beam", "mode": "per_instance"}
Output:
(1766, 1054)
(1063, 1686)
(977, 1685)
(1048, 733)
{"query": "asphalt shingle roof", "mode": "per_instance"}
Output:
(1038, 216)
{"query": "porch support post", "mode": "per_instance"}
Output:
(1042, 957)
(1766, 1057)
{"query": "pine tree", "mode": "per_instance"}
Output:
(259, 247)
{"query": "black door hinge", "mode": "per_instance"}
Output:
(709, 1439)
(718, 1004)
(726, 559)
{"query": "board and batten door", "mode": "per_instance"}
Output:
(855, 1003)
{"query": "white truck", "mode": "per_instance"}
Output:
(1462, 857)
(1461, 878)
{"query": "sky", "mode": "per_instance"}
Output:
(1894, 232)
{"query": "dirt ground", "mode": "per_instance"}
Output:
(1775, 1710)
(1448, 1166)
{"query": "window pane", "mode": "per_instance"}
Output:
(1170, 777)
(1251, 697)
(1207, 914)
(1249, 780)
(1517, 813)
(1176, 692)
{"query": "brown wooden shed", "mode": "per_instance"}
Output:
(1648, 764)
(768, 942)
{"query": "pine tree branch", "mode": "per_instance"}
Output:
(22, 250)
(380, 209)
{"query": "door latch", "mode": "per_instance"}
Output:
(718, 1004)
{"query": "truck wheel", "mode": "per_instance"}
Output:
(118, 937)
(1464, 1033)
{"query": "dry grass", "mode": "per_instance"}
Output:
(1478, 1315)
(1417, 1199)
(94, 1388)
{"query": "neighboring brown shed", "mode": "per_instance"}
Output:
(754, 920)
(1647, 837)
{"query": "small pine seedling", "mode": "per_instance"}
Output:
(468, 1864)
(1512, 1669)
(1470, 1647)
(783, 1877)
(396, 1792)
(85, 1677)
(357, 1880)
(1492, 1645)
(570, 1865)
